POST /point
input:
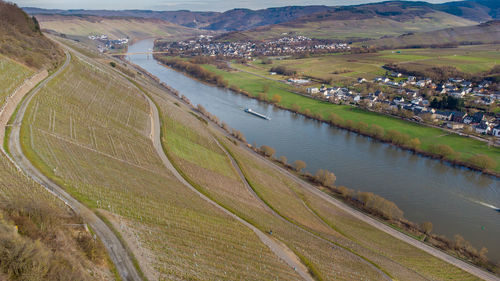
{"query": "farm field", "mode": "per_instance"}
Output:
(192, 147)
(88, 129)
(12, 75)
(348, 67)
(467, 147)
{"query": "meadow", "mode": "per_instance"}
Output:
(88, 130)
(348, 67)
(12, 75)
(254, 85)
(277, 203)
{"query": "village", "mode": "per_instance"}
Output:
(105, 44)
(421, 100)
(206, 45)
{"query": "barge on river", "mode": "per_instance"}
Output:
(249, 110)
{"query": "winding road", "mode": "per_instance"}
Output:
(116, 250)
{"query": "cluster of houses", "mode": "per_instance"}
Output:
(289, 45)
(416, 106)
(104, 43)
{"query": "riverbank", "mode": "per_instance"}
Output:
(425, 141)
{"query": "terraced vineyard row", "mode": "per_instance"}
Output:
(89, 131)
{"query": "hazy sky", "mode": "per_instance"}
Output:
(195, 5)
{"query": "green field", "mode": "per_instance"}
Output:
(348, 67)
(467, 147)
(12, 75)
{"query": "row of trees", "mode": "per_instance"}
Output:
(283, 70)
(193, 70)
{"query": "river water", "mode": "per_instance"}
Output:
(456, 200)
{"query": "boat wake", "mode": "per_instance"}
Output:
(485, 204)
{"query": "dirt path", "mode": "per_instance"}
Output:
(470, 268)
(116, 250)
(279, 249)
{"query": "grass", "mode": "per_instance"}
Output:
(467, 147)
(12, 75)
(90, 132)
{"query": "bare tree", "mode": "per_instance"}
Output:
(325, 177)
(267, 150)
(299, 165)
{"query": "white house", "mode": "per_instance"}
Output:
(312, 90)
(496, 131)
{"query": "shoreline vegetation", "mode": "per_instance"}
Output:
(369, 203)
(478, 162)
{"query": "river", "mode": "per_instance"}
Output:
(456, 200)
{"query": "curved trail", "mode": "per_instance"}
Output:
(280, 250)
(279, 216)
(116, 250)
(470, 268)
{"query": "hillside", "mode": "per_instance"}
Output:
(356, 22)
(476, 10)
(21, 39)
(115, 27)
(485, 33)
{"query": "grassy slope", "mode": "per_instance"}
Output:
(211, 174)
(89, 131)
(115, 27)
(375, 27)
(12, 75)
(428, 136)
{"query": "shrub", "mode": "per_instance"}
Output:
(299, 165)
(267, 150)
(276, 99)
(325, 178)
(483, 162)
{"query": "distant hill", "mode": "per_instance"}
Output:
(236, 19)
(115, 27)
(476, 10)
(362, 21)
(485, 33)
(21, 39)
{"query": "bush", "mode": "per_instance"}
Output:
(112, 63)
(267, 150)
(483, 162)
(276, 99)
(299, 165)
(325, 178)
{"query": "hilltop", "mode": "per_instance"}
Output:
(22, 40)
